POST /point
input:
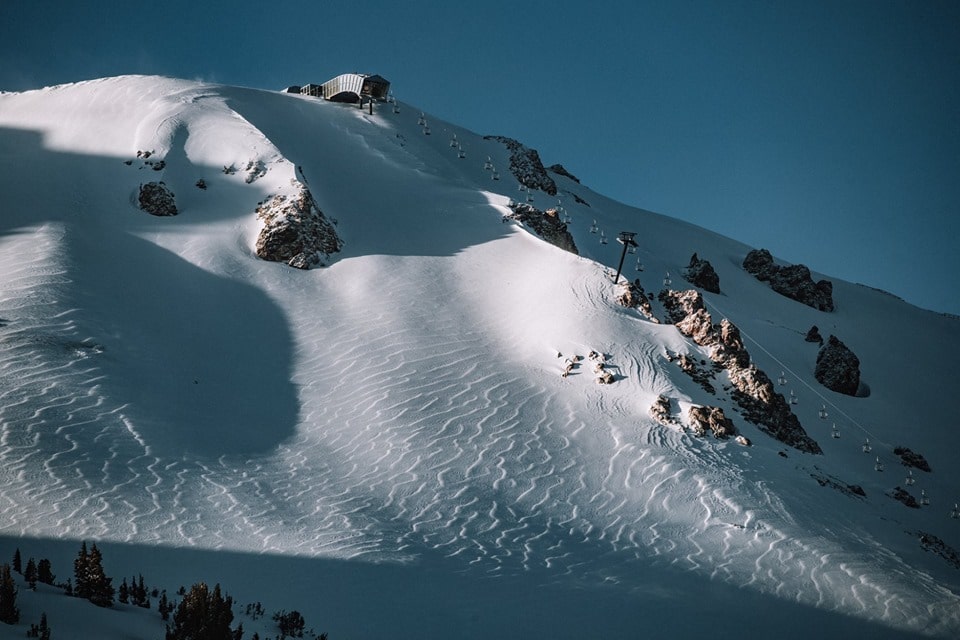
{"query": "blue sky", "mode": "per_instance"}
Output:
(826, 131)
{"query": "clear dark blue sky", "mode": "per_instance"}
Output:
(827, 131)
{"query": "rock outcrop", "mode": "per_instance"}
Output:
(561, 171)
(632, 296)
(662, 411)
(156, 199)
(712, 418)
(793, 281)
(295, 231)
(526, 167)
(813, 335)
(838, 368)
(546, 224)
(753, 389)
(912, 459)
(700, 273)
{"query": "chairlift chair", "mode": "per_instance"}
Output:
(878, 466)
(866, 446)
(666, 280)
(909, 480)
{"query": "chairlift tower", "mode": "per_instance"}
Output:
(626, 239)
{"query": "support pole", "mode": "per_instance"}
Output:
(626, 239)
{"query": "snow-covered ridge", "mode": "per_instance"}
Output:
(162, 385)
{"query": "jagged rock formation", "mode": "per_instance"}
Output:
(902, 495)
(825, 480)
(753, 390)
(526, 167)
(633, 296)
(545, 224)
(700, 273)
(792, 281)
(934, 544)
(698, 374)
(912, 459)
(295, 231)
(661, 411)
(560, 170)
(838, 368)
(703, 418)
(156, 199)
(813, 335)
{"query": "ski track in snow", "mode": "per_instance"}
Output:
(412, 441)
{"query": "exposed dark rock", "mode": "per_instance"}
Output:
(902, 495)
(703, 418)
(701, 376)
(255, 170)
(295, 231)
(201, 184)
(912, 459)
(559, 170)
(580, 200)
(605, 377)
(813, 335)
(793, 281)
(156, 199)
(838, 368)
(526, 167)
(825, 480)
(700, 273)
(633, 296)
(662, 411)
(932, 543)
(754, 392)
(545, 224)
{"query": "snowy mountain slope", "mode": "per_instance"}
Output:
(163, 386)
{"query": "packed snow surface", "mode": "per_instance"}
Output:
(395, 424)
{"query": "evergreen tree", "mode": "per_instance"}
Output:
(8, 597)
(30, 574)
(68, 588)
(164, 606)
(81, 570)
(101, 589)
(202, 615)
(45, 571)
(43, 628)
(17, 566)
(123, 594)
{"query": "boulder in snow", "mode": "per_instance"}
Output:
(156, 199)
(700, 273)
(792, 281)
(838, 368)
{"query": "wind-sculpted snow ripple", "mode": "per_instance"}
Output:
(417, 437)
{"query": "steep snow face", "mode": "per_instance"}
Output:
(162, 385)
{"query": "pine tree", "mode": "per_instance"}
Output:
(45, 571)
(8, 597)
(202, 615)
(81, 570)
(17, 566)
(123, 594)
(30, 574)
(43, 628)
(164, 606)
(101, 590)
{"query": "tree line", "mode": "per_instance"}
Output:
(201, 614)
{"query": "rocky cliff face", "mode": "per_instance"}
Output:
(526, 166)
(752, 390)
(545, 224)
(295, 231)
(838, 368)
(793, 281)
(632, 296)
(700, 273)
